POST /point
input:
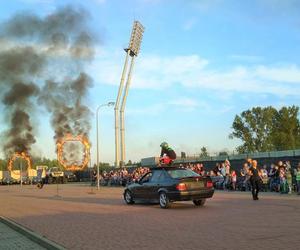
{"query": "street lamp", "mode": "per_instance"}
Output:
(97, 112)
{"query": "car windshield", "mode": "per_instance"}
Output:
(181, 173)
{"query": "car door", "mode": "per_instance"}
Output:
(140, 190)
(154, 184)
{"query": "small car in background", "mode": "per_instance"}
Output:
(168, 184)
(70, 176)
(6, 178)
(55, 175)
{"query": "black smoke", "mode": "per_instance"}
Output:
(64, 101)
(42, 61)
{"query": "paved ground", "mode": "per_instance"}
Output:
(78, 220)
(12, 240)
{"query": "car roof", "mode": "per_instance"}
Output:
(166, 168)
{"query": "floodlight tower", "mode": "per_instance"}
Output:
(132, 51)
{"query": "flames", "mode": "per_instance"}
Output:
(22, 155)
(60, 148)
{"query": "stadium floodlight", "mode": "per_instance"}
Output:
(135, 39)
(132, 51)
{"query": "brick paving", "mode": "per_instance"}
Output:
(78, 220)
(12, 240)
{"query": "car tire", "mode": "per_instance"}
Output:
(128, 197)
(164, 201)
(199, 203)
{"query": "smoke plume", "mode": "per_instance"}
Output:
(64, 101)
(43, 58)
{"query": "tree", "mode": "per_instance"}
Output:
(223, 153)
(286, 135)
(204, 152)
(129, 163)
(3, 165)
(266, 129)
(104, 165)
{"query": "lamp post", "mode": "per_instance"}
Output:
(21, 169)
(97, 126)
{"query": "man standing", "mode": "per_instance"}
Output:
(254, 179)
(227, 174)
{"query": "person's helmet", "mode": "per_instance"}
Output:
(164, 145)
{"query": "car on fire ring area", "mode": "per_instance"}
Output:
(168, 184)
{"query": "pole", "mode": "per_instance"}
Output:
(57, 194)
(91, 177)
(97, 125)
(117, 146)
(122, 112)
(21, 167)
(97, 129)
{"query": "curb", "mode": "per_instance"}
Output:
(41, 240)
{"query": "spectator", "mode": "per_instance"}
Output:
(298, 178)
(264, 178)
(223, 169)
(233, 180)
(282, 179)
(272, 176)
(276, 182)
(216, 169)
(245, 177)
(227, 174)
(289, 179)
(94, 177)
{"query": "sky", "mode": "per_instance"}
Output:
(201, 63)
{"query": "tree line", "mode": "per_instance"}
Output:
(267, 129)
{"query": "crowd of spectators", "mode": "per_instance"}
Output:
(280, 177)
(121, 177)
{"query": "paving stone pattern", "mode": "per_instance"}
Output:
(79, 220)
(12, 240)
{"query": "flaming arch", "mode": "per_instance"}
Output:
(16, 155)
(71, 138)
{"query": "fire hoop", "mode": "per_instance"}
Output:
(16, 155)
(60, 148)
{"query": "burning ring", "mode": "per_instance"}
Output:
(60, 147)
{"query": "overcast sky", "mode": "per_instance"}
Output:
(201, 63)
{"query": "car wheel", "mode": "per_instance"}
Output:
(164, 201)
(199, 202)
(128, 197)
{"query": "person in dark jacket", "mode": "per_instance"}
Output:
(254, 179)
(167, 155)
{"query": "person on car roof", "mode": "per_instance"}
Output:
(167, 154)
